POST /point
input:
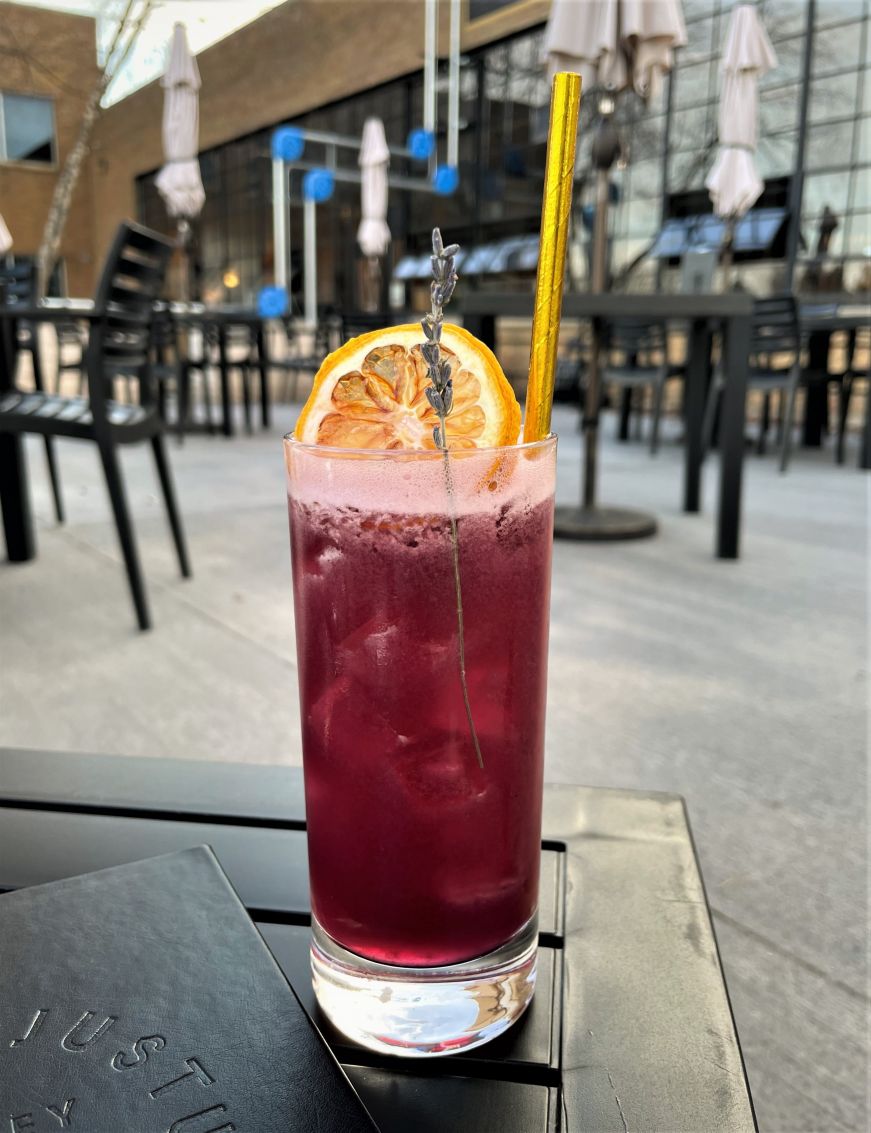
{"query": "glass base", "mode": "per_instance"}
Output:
(424, 1012)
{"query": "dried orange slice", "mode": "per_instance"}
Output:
(370, 394)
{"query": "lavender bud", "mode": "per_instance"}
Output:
(448, 399)
(430, 352)
(451, 250)
(437, 245)
(428, 328)
(445, 372)
(435, 400)
(437, 436)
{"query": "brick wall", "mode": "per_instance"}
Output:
(49, 53)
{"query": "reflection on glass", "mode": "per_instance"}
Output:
(833, 11)
(838, 48)
(778, 110)
(833, 97)
(858, 241)
(863, 152)
(28, 128)
(825, 189)
(692, 84)
(775, 156)
(828, 145)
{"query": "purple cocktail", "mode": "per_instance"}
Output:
(423, 863)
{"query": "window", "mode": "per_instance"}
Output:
(26, 128)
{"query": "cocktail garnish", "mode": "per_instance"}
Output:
(440, 395)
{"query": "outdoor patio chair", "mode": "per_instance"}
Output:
(775, 367)
(634, 358)
(118, 344)
(17, 287)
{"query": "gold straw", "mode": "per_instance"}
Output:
(555, 208)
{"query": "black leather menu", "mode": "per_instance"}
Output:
(141, 999)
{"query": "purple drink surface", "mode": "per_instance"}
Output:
(417, 856)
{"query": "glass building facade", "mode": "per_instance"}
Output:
(822, 81)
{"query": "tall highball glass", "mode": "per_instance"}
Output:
(422, 732)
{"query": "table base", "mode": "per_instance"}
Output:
(602, 524)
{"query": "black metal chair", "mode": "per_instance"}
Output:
(118, 347)
(775, 367)
(18, 288)
(635, 358)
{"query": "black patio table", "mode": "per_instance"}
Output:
(732, 311)
(630, 1027)
(14, 497)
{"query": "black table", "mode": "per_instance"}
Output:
(820, 318)
(731, 311)
(630, 1028)
(14, 495)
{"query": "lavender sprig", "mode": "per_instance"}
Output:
(440, 395)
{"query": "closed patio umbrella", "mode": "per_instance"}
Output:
(733, 183)
(373, 235)
(614, 45)
(179, 181)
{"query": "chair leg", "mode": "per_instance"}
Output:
(54, 476)
(172, 511)
(207, 396)
(245, 374)
(183, 383)
(764, 424)
(658, 396)
(36, 358)
(788, 421)
(124, 524)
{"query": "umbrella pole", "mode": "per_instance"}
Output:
(186, 277)
(594, 379)
(591, 522)
(727, 254)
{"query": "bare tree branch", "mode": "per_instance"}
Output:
(119, 51)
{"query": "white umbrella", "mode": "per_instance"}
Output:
(179, 181)
(5, 238)
(373, 235)
(733, 182)
(614, 43)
